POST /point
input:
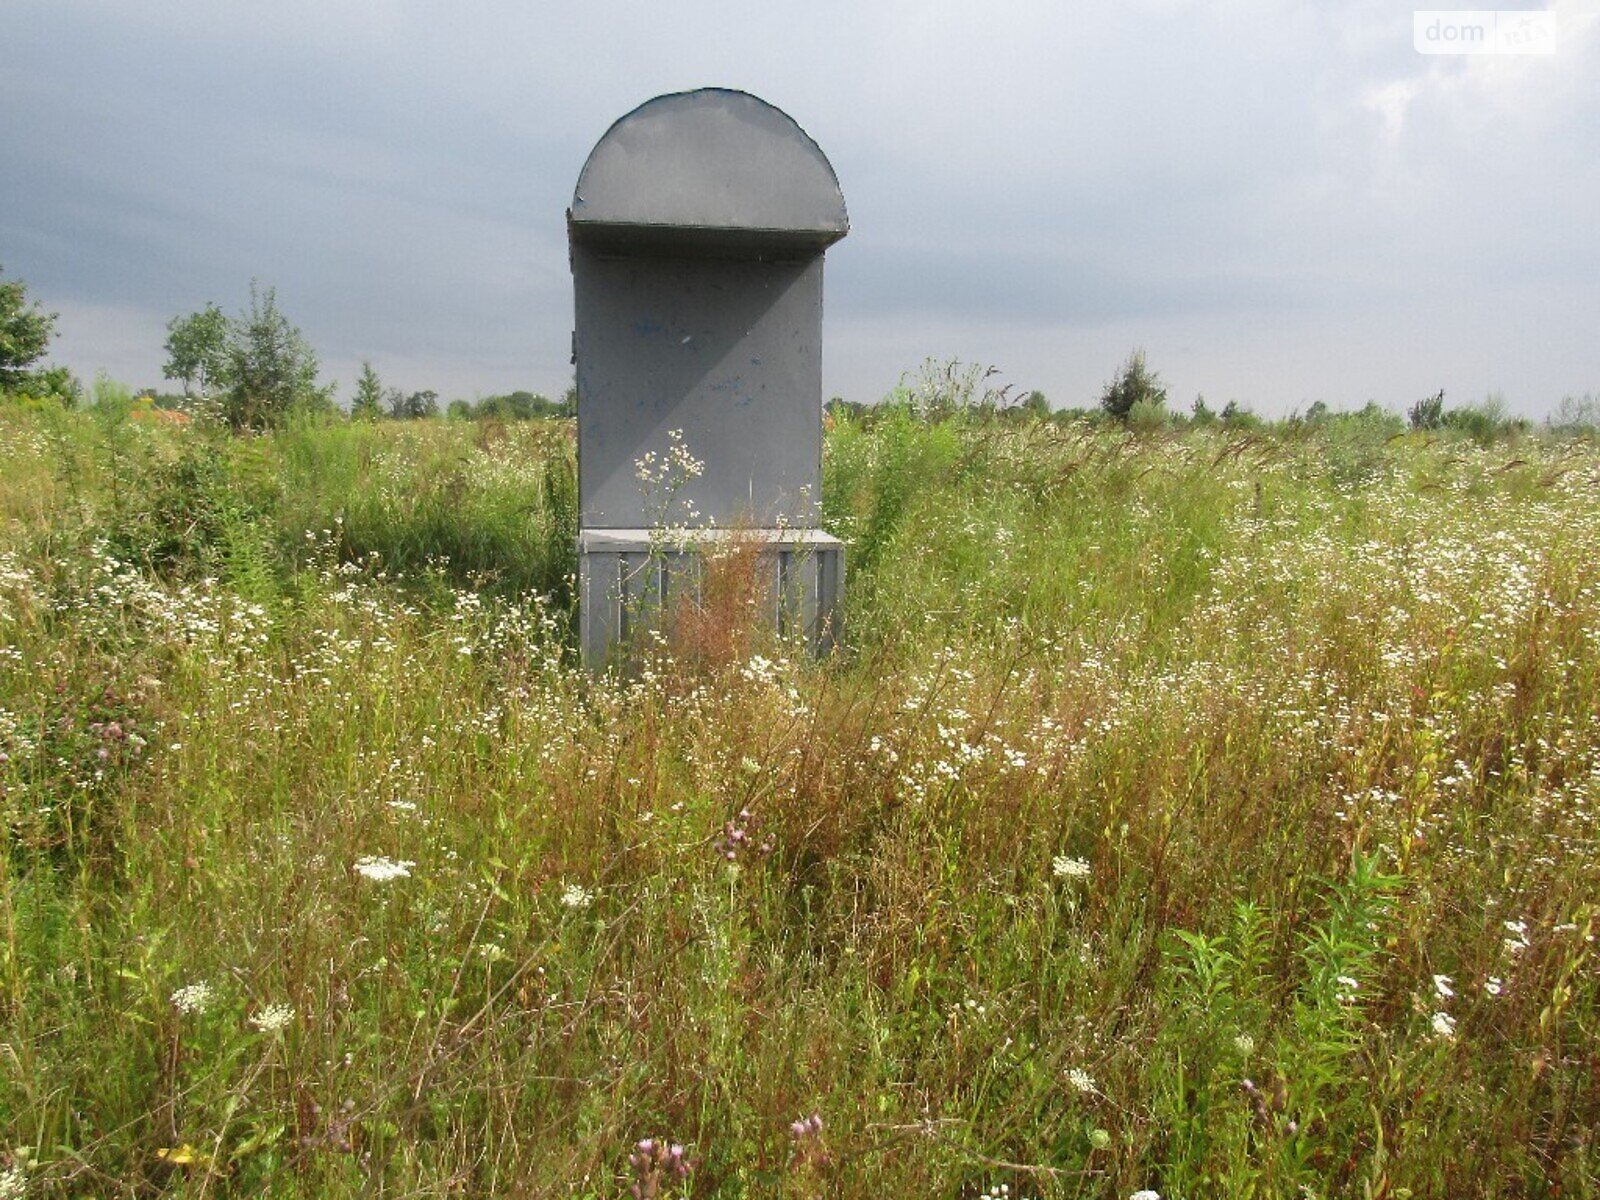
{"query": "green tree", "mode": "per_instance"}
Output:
(1134, 384)
(271, 369)
(25, 333)
(421, 404)
(1427, 413)
(368, 401)
(58, 382)
(197, 352)
(256, 367)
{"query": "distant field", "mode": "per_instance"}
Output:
(1214, 812)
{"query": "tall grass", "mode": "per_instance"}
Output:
(1207, 812)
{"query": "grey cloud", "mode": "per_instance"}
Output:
(1185, 174)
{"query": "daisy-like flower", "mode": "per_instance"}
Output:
(1493, 985)
(1518, 941)
(380, 868)
(1082, 1081)
(1442, 985)
(1444, 1026)
(1063, 866)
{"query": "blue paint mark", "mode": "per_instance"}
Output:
(646, 328)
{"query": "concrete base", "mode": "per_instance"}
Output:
(627, 578)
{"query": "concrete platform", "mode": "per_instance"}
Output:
(628, 579)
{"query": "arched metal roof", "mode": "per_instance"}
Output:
(712, 166)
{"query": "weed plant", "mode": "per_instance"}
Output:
(1206, 812)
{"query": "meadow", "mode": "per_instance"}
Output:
(1209, 812)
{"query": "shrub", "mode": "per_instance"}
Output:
(1136, 383)
(1486, 421)
(1576, 415)
(1146, 416)
(1237, 416)
(941, 390)
(1428, 413)
(257, 369)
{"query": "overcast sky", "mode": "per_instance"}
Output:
(1280, 202)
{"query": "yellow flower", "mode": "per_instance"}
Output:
(184, 1156)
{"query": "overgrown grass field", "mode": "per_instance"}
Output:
(1209, 812)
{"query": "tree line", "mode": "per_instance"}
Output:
(254, 370)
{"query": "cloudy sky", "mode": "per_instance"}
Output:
(1279, 201)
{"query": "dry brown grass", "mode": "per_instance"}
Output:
(716, 621)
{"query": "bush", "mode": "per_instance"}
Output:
(1237, 416)
(941, 390)
(1146, 416)
(1135, 384)
(1427, 414)
(258, 369)
(1576, 415)
(1486, 421)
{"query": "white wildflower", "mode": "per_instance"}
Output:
(1518, 941)
(274, 1018)
(1082, 1081)
(1065, 867)
(577, 897)
(1444, 1025)
(1146, 1194)
(1349, 987)
(1245, 1045)
(1493, 985)
(380, 868)
(1442, 985)
(13, 1183)
(193, 998)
